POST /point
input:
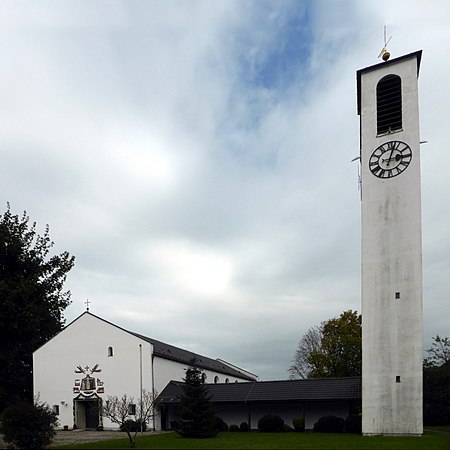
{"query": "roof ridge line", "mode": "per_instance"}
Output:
(250, 391)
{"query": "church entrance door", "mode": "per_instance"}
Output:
(87, 413)
(92, 411)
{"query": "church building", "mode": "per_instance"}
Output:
(91, 359)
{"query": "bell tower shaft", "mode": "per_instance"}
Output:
(391, 247)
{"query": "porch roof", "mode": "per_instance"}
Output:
(315, 389)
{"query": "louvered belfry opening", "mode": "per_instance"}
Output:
(389, 104)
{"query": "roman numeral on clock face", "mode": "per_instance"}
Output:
(390, 159)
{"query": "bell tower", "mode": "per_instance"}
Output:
(392, 339)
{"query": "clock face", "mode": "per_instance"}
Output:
(390, 159)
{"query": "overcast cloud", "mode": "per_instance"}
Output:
(195, 156)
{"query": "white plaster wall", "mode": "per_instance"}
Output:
(85, 342)
(232, 414)
(287, 411)
(314, 411)
(391, 262)
(166, 370)
(235, 414)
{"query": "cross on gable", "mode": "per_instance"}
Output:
(87, 302)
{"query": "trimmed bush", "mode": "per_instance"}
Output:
(244, 427)
(329, 424)
(299, 424)
(234, 428)
(219, 424)
(270, 424)
(28, 426)
(133, 425)
(353, 424)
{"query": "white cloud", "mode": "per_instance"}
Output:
(195, 157)
(192, 269)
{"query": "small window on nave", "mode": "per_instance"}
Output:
(216, 379)
(227, 380)
(389, 104)
(110, 351)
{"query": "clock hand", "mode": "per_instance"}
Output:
(397, 157)
(390, 156)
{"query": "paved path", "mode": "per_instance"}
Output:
(84, 436)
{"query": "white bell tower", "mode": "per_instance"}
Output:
(391, 247)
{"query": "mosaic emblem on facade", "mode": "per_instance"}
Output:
(90, 384)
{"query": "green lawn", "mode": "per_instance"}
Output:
(440, 428)
(282, 441)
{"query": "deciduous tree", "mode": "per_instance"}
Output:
(436, 383)
(28, 426)
(332, 349)
(130, 415)
(32, 300)
(438, 353)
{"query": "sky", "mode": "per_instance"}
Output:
(195, 158)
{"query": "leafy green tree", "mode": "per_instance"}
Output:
(32, 301)
(436, 383)
(310, 343)
(197, 412)
(439, 352)
(28, 426)
(333, 349)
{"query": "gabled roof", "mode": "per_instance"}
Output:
(314, 389)
(177, 354)
(173, 353)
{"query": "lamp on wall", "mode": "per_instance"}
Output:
(63, 403)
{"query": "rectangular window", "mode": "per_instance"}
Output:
(131, 409)
(56, 409)
(397, 379)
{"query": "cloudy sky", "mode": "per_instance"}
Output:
(195, 156)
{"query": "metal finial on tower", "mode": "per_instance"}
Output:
(384, 54)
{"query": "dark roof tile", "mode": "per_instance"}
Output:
(314, 389)
(173, 353)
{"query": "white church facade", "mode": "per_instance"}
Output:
(91, 359)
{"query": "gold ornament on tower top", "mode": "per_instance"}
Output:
(384, 54)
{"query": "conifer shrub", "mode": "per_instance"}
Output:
(198, 418)
(270, 423)
(244, 427)
(353, 424)
(329, 424)
(220, 425)
(28, 426)
(234, 428)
